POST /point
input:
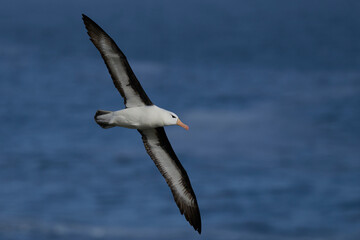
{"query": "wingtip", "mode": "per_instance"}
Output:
(192, 215)
(86, 19)
(195, 221)
(198, 230)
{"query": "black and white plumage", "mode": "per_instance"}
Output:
(141, 114)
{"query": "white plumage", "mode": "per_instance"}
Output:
(139, 118)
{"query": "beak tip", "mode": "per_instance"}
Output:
(181, 124)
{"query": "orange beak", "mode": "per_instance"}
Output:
(181, 124)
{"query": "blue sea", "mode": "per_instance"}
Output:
(270, 90)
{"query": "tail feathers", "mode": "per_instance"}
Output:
(103, 120)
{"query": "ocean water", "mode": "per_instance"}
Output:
(270, 90)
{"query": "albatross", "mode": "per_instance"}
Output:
(141, 114)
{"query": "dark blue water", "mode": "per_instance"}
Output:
(270, 89)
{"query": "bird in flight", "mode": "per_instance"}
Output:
(141, 114)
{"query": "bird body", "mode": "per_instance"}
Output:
(144, 117)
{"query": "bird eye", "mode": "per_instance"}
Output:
(173, 116)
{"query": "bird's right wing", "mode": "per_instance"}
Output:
(121, 73)
(158, 147)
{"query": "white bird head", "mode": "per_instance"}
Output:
(171, 118)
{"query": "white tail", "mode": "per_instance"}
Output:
(102, 118)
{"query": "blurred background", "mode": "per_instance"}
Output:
(270, 89)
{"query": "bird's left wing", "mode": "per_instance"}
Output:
(158, 147)
(119, 68)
